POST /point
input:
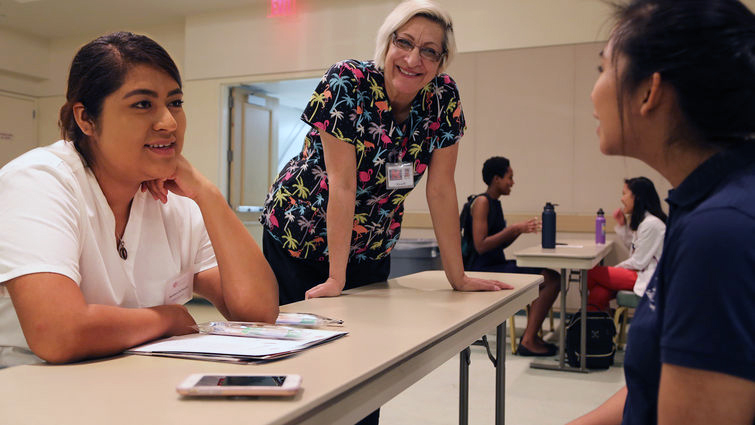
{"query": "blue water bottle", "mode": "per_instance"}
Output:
(600, 227)
(549, 226)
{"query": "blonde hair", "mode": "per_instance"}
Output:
(407, 10)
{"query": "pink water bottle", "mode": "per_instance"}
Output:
(600, 227)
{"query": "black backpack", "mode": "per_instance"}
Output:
(468, 253)
(600, 349)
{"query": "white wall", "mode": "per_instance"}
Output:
(24, 62)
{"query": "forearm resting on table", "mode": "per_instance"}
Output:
(247, 283)
(443, 211)
(107, 330)
(65, 328)
(340, 218)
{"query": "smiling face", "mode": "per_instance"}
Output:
(140, 131)
(506, 182)
(407, 72)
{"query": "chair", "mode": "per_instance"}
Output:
(625, 300)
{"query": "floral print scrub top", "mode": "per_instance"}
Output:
(351, 104)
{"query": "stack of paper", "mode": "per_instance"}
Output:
(236, 349)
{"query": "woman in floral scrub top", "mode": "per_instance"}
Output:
(334, 213)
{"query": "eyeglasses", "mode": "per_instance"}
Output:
(425, 52)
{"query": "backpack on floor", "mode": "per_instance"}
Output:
(600, 349)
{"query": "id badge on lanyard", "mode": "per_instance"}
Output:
(400, 175)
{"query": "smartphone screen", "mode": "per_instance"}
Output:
(240, 381)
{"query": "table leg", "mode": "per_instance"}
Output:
(583, 327)
(464, 361)
(562, 328)
(500, 374)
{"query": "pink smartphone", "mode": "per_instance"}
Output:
(202, 384)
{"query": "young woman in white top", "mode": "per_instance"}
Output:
(643, 237)
(104, 235)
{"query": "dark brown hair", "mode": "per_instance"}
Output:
(705, 49)
(98, 70)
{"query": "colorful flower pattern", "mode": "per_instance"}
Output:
(350, 103)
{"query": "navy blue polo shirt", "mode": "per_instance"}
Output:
(699, 307)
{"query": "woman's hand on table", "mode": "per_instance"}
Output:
(467, 283)
(329, 288)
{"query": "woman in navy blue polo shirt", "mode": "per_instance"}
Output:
(677, 91)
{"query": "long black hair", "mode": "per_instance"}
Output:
(645, 200)
(705, 49)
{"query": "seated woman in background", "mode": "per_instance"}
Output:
(91, 265)
(486, 235)
(676, 90)
(644, 238)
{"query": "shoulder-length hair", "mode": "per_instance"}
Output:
(402, 14)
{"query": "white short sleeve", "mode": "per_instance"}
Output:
(39, 220)
(205, 254)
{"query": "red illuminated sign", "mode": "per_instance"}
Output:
(282, 8)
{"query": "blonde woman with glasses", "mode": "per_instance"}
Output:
(334, 213)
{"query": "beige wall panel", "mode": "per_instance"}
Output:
(48, 109)
(599, 179)
(506, 24)
(204, 109)
(24, 62)
(598, 182)
(18, 132)
(246, 41)
(464, 71)
(62, 51)
(23, 55)
(525, 112)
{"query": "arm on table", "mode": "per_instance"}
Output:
(444, 210)
(243, 286)
(62, 328)
(341, 166)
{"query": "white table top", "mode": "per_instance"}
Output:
(576, 254)
(399, 332)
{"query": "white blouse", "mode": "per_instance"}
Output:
(645, 247)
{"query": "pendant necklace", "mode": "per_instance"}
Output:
(122, 249)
